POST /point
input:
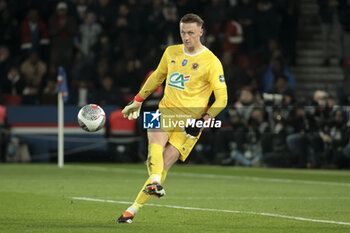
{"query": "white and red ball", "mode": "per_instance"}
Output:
(91, 118)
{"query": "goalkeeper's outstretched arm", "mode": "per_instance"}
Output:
(132, 110)
(153, 81)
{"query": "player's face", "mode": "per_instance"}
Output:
(190, 34)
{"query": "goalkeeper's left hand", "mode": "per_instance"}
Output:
(193, 132)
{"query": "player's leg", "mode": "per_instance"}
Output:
(157, 140)
(140, 200)
(171, 155)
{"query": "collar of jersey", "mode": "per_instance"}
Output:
(192, 55)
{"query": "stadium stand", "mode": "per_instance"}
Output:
(290, 72)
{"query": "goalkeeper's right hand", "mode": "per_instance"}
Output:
(132, 110)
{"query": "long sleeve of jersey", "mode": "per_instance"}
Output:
(219, 103)
(217, 82)
(156, 78)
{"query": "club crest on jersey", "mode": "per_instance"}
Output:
(178, 80)
(222, 78)
(195, 66)
(184, 62)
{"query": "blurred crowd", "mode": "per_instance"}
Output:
(107, 48)
(273, 132)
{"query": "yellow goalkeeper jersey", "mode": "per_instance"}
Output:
(190, 80)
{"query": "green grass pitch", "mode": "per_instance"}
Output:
(42, 198)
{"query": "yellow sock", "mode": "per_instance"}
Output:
(142, 197)
(155, 162)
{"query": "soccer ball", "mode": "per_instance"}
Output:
(91, 118)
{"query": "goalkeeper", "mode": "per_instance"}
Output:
(192, 73)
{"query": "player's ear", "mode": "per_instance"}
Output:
(201, 32)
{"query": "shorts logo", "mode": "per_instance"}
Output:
(222, 78)
(151, 120)
(184, 62)
(178, 80)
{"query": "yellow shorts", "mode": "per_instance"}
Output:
(182, 142)
(177, 136)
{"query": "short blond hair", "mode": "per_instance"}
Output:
(192, 18)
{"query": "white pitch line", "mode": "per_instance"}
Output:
(218, 210)
(258, 198)
(247, 198)
(212, 176)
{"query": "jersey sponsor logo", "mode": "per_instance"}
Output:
(222, 78)
(184, 62)
(195, 66)
(178, 80)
